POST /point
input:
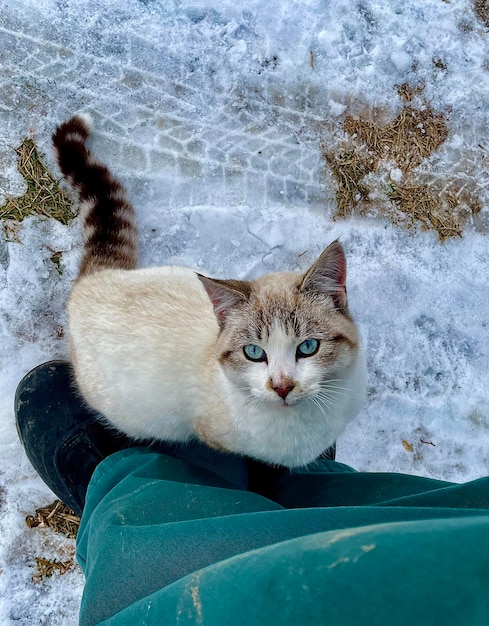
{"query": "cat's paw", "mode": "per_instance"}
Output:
(205, 434)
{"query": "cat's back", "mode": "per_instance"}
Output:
(142, 345)
(149, 300)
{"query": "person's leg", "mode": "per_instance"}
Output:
(152, 521)
(153, 524)
(65, 441)
(332, 484)
(428, 573)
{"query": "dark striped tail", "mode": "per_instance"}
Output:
(110, 233)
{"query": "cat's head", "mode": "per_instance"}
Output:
(285, 337)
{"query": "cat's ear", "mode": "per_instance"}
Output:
(328, 275)
(225, 294)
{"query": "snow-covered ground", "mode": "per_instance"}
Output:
(213, 115)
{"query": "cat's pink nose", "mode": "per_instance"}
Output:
(283, 390)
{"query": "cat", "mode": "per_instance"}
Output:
(269, 368)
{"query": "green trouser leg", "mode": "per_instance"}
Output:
(163, 541)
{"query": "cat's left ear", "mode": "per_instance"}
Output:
(225, 295)
(328, 275)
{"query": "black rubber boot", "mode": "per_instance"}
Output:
(63, 439)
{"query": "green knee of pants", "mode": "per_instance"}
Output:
(163, 541)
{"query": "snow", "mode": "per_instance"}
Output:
(213, 115)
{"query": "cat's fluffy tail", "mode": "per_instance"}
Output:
(110, 232)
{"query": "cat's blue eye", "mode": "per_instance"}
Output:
(254, 353)
(307, 348)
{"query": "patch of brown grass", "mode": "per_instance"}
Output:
(420, 205)
(57, 516)
(46, 568)
(481, 9)
(61, 519)
(44, 196)
(349, 168)
(407, 140)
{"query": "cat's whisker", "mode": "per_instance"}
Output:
(330, 394)
(235, 403)
(333, 382)
(326, 387)
(335, 388)
(328, 401)
(252, 401)
(319, 406)
(327, 409)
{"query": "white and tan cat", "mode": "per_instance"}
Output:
(270, 368)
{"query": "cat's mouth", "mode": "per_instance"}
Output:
(275, 400)
(288, 402)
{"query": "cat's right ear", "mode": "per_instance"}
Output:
(225, 295)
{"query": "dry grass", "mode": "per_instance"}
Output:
(57, 516)
(408, 92)
(481, 8)
(43, 196)
(407, 140)
(422, 206)
(403, 143)
(349, 168)
(46, 568)
(61, 519)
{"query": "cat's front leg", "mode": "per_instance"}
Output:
(214, 428)
(207, 434)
